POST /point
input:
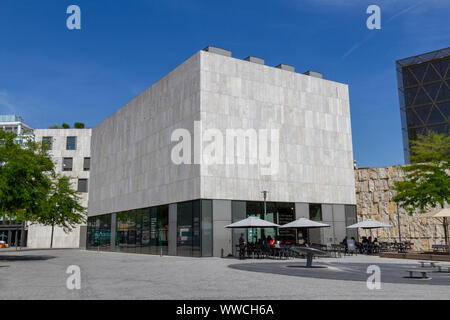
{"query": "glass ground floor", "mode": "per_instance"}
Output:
(196, 228)
(12, 234)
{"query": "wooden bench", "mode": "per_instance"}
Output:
(422, 272)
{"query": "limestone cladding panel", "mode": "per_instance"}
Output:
(131, 150)
(313, 116)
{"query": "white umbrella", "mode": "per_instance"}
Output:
(253, 222)
(303, 223)
(444, 214)
(369, 224)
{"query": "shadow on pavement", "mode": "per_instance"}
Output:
(24, 258)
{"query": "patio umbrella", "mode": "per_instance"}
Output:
(303, 223)
(369, 224)
(444, 214)
(252, 222)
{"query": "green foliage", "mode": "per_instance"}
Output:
(427, 180)
(24, 178)
(30, 190)
(65, 126)
(432, 147)
(62, 205)
(54, 126)
(78, 125)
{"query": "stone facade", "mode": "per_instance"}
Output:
(131, 150)
(374, 192)
(39, 235)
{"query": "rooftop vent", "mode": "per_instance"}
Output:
(217, 50)
(254, 60)
(314, 74)
(285, 67)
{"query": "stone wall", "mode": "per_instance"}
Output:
(374, 192)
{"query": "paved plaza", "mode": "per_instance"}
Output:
(41, 274)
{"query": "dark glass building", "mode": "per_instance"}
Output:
(424, 93)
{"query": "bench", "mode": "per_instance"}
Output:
(426, 264)
(422, 272)
(439, 247)
(445, 269)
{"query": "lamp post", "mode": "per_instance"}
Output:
(264, 192)
(398, 223)
(265, 198)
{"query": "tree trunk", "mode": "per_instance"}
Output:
(51, 238)
(446, 234)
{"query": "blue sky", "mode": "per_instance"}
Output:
(50, 75)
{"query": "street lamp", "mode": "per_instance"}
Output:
(398, 223)
(265, 198)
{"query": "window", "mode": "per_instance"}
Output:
(315, 211)
(71, 143)
(48, 141)
(87, 164)
(99, 232)
(143, 230)
(82, 185)
(67, 164)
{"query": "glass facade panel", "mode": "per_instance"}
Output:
(99, 232)
(315, 212)
(206, 228)
(424, 95)
(350, 218)
(143, 230)
(277, 212)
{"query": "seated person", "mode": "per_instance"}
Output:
(351, 244)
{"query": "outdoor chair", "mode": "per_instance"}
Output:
(351, 247)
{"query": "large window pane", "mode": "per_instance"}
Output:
(163, 229)
(206, 226)
(315, 212)
(277, 212)
(196, 232)
(99, 232)
(184, 228)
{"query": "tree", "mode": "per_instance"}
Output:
(54, 126)
(78, 125)
(24, 178)
(62, 206)
(65, 126)
(427, 180)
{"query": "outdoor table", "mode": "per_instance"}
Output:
(310, 253)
